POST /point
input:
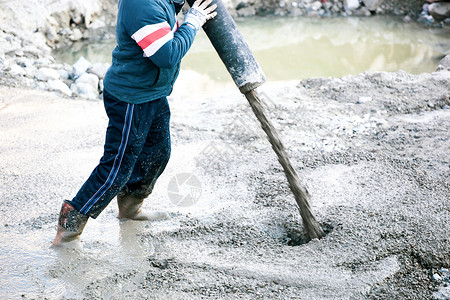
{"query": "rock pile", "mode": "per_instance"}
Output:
(309, 8)
(32, 67)
(436, 11)
(26, 44)
(327, 8)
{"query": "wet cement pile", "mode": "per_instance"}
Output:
(372, 150)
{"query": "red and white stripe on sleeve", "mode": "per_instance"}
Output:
(152, 37)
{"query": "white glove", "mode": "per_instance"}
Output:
(200, 13)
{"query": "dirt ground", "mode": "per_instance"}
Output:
(372, 149)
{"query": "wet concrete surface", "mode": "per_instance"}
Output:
(372, 150)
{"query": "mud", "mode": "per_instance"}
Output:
(372, 150)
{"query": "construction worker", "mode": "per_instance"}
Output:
(145, 65)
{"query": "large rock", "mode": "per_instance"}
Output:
(316, 5)
(84, 10)
(99, 69)
(16, 70)
(440, 11)
(372, 4)
(46, 74)
(60, 86)
(444, 64)
(81, 66)
(86, 86)
(76, 35)
(351, 4)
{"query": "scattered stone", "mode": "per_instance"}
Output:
(372, 4)
(46, 74)
(19, 53)
(44, 61)
(63, 74)
(51, 35)
(30, 71)
(76, 35)
(86, 86)
(330, 7)
(97, 24)
(80, 67)
(350, 5)
(159, 263)
(90, 79)
(40, 85)
(31, 50)
(426, 19)
(17, 70)
(440, 11)
(436, 277)
(65, 31)
(99, 69)
(364, 100)
(363, 12)
(316, 5)
(444, 64)
(60, 86)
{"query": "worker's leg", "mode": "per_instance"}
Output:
(126, 135)
(128, 126)
(149, 166)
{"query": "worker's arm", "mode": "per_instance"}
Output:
(166, 46)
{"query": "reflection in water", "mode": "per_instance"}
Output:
(290, 49)
(130, 242)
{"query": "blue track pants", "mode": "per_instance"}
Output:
(136, 152)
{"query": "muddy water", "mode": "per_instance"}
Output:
(292, 49)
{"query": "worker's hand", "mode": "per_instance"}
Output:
(200, 13)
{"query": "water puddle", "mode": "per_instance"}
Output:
(33, 269)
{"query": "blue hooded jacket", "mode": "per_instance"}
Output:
(150, 46)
